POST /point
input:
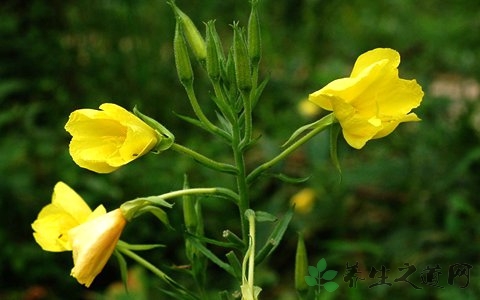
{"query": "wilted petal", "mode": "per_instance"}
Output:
(93, 243)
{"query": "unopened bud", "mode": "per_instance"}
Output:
(301, 265)
(254, 35)
(213, 59)
(182, 59)
(241, 60)
(193, 36)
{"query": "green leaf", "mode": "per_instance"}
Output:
(259, 91)
(209, 254)
(311, 281)
(329, 275)
(313, 271)
(330, 286)
(321, 265)
(235, 263)
(275, 237)
(263, 216)
(191, 120)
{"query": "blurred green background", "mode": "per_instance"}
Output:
(409, 198)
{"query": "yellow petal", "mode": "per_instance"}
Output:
(93, 243)
(374, 56)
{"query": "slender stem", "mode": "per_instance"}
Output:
(265, 166)
(247, 105)
(251, 259)
(225, 107)
(222, 167)
(243, 200)
(201, 116)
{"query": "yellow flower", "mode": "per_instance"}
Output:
(93, 243)
(104, 140)
(373, 100)
(54, 221)
(304, 200)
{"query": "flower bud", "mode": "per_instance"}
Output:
(301, 265)
(182, 59)
(241, 60)
(213, 57)
(193, 36)
(254, 38)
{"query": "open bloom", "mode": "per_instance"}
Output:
(373, 100)
(93, 243)
(55, 220)
(104, 140)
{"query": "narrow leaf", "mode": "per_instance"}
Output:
(263, 216)
(275, 237)
(209, 254)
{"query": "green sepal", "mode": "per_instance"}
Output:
(133, 208)
(263, 216)
(334, 133)
(166, 138)
(138, 247)
(325, 121)
(275, 237)
(290, 179)
(122, 263)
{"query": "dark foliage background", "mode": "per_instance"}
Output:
(409, 198)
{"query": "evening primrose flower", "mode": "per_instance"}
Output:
(67, 210)
(373, 100)
(93, 243)
(68, 224)
(104, 140)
